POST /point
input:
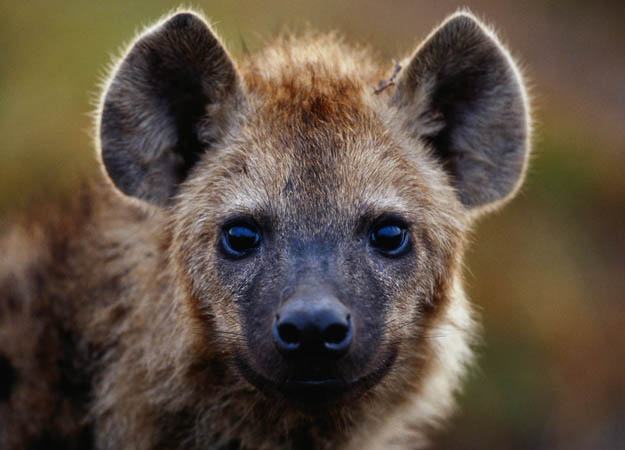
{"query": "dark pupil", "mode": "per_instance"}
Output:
(242, 238)
(388, 237)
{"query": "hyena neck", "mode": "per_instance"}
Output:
(223, 412)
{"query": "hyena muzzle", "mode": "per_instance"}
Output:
(283, 269)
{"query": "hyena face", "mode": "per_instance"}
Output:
(319, 238)
(317, 223)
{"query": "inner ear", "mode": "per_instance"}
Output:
(180, 89)
(461, 94)
(169, 101)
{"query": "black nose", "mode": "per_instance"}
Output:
(313, 328)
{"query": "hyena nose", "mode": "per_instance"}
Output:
(313, 329)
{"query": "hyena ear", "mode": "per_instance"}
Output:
(462, 94)
(169, 101)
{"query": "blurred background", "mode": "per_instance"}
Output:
(547, 274)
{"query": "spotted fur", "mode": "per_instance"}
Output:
(120, 324)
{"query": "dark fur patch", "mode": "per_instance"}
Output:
(75, 381)
(181, 91)
(47, 440)
(8, 378)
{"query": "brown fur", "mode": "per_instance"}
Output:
(118, 325)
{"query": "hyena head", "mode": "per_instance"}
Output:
(318, 216)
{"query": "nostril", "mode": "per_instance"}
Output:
(337, 337)
(289, 333)
(287, 337)
(335, 334)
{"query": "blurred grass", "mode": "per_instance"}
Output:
(547, 274)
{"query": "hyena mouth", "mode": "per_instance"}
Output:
(310, 392)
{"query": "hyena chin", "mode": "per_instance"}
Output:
(273, 259)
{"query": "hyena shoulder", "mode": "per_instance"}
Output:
(44, 387)
(63, 273)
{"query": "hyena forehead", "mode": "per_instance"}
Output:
(315, 166)
(315, 134)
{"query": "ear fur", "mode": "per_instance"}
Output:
(168, 101)
(462, 94)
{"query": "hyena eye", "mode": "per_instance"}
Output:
(390, 237)
(239, 239)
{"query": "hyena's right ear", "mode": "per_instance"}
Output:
(462, 94)
(169, 100)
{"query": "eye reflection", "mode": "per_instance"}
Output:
(390, 237)
(239, 239)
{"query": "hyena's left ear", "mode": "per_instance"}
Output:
(462, 94)
(169, 100)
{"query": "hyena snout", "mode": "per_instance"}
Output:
(313, 323)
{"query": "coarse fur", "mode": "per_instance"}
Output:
(123, 326)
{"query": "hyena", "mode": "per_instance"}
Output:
(272, 256)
